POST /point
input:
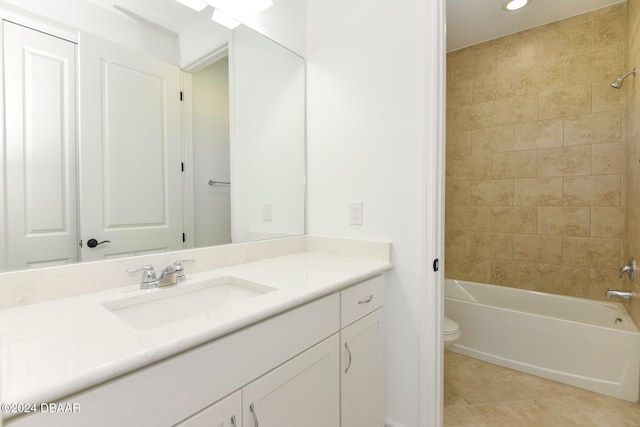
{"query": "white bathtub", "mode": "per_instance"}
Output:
(576, 341)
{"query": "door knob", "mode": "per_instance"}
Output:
(92, 243)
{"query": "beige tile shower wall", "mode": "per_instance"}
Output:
(633, 159)
(536, 157)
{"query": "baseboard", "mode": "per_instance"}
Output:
(393, 423)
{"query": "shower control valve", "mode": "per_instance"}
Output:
(629, 268)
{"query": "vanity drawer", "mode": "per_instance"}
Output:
(360, 300)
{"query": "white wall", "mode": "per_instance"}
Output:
(200, 39)
(369, 97)
(267, 137)
(283, 23)
(212, 203)
(85, 16)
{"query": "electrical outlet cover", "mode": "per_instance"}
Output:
(267, 212)
(355, 213)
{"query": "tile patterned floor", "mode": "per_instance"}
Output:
(479, 394)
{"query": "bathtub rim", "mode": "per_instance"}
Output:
(628, 324)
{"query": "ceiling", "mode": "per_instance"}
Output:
(166, 15)
(470, 22)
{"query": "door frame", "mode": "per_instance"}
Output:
(188, 208)
(431, 298)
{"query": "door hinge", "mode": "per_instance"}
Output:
(181, 96)
(184, 237)
(181, 166)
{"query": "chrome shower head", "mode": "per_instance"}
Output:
(618, 83)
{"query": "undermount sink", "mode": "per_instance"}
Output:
(163, 306)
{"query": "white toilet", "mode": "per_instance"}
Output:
(451, 332)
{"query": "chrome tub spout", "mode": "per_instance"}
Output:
(620, 294)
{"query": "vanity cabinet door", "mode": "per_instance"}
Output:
(305, 391)
(362, 372)
(224, 413)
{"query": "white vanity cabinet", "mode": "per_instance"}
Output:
(224, 413)
(170, 391)
(289, 370)
(362, 345)
(303, 392)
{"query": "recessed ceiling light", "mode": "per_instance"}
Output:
(512, 5)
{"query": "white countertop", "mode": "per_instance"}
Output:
(56, 348)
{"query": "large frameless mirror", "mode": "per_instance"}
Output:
(111, 151)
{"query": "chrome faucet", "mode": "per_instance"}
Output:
(181, 277)
(148, 280)
(621, 294)
(629, 268)
(169, 275)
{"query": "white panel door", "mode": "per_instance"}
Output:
(40, 162)
(305, 391)
(130, 156)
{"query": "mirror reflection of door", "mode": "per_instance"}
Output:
(129, 184)
(40, 149)
(211, 164)
(130, 157)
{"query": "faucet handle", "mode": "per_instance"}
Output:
(148, 276)
(181, 277)
(630, 268)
